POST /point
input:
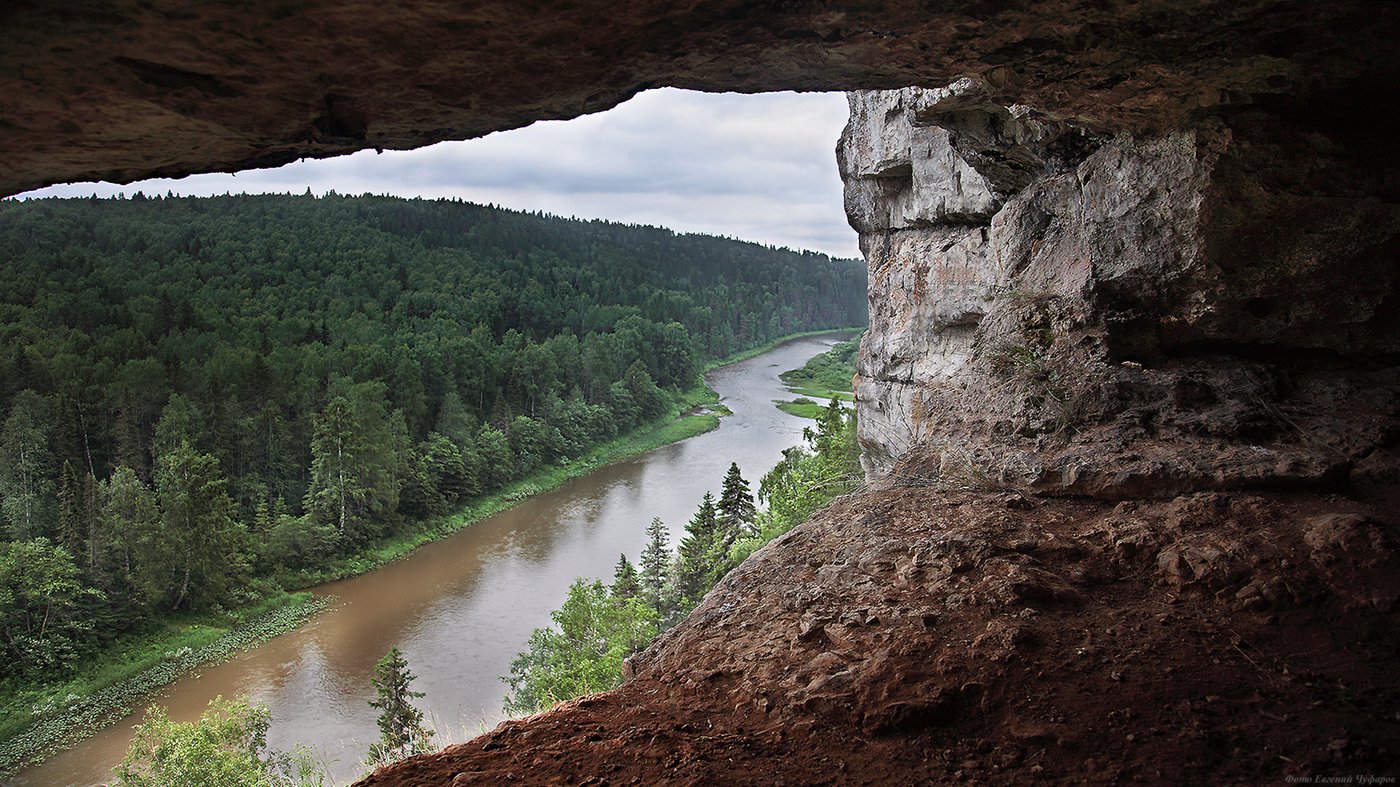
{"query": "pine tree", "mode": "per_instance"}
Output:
(736, 508)
(401, 727)
(694, 564)
(656, 564)
(262, 518)
(72, 527)
(625, 584)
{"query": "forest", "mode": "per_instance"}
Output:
(203, 398)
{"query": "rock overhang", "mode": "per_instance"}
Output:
(123, 91)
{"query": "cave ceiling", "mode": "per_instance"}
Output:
(122, 90)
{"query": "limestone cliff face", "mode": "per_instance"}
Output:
(1119, 316)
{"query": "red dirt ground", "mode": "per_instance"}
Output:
(913, 635)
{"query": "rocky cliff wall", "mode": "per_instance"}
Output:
(1120, 315)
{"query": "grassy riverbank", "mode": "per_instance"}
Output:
(823, 378)
(692, 412)
(757, 351)
(37, 720)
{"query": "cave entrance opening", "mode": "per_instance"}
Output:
(758, 167)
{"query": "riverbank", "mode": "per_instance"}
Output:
(757, 351)
(692, 413)
(821, 379)
(60, 714)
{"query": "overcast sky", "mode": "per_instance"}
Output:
(760, 168)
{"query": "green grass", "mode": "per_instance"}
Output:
(822, 394)
(802, 407)
(38, 720)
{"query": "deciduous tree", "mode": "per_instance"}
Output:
(26, 468)
(205, 541)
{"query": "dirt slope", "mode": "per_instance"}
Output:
(918, 635)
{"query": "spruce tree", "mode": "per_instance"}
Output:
(401, 727)
(262, 518)
(625, 584)
(656, 564)
(72, 527)
(736, 510)
(695, 562)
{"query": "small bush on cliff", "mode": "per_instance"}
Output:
(224, 747)
(584, 653)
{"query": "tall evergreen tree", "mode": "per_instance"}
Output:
(695, 558)
(736, 509)
(401, 730)
(656, 565)
(72, 528)
(625, 583)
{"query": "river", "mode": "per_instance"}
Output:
(460, 609)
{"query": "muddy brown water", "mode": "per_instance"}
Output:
(461, 609)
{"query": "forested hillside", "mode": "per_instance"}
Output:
(201, 394)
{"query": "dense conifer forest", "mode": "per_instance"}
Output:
(201, 396)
